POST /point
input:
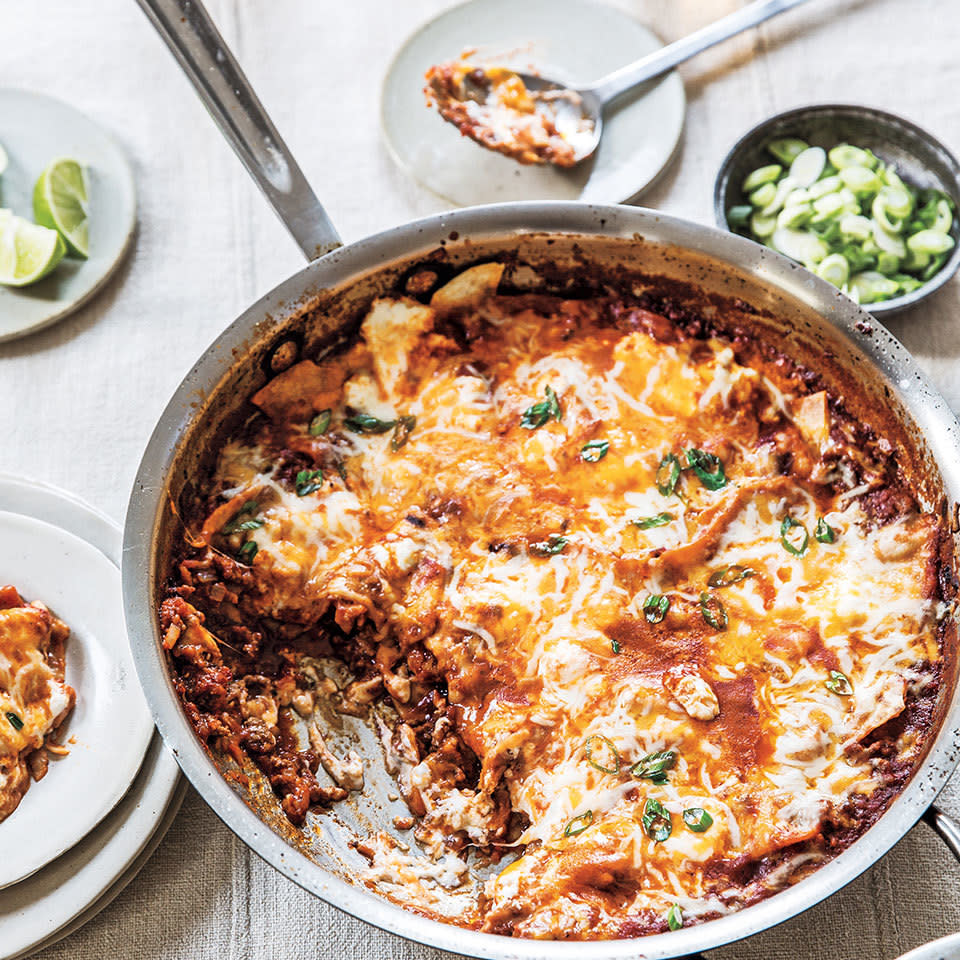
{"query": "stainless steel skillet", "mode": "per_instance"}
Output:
(549, 244)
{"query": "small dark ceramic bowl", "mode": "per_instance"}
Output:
(919, 158)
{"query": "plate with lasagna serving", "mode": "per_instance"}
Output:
(73, 725)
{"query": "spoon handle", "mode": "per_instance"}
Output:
(188, 31)
(632, 75)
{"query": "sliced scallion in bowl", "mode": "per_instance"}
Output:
(847, 216)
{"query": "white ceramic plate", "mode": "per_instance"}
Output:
(34, 130)
(58, 899)
(109, 728)
(146, 815)
(946, 948)
(574, 41)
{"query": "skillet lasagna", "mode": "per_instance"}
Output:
(648, 624)
(34, 699)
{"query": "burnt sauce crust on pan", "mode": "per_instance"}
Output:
(649, 624)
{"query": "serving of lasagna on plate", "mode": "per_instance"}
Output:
(650, 626)
(34, 699)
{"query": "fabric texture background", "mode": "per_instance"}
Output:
(80, 399)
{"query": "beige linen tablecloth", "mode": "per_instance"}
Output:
(79, 400)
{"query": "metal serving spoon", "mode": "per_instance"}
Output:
(581, 110)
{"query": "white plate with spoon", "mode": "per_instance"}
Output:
(35, 130)
(616, 118)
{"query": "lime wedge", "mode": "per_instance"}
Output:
(27, 252)
(60, 202)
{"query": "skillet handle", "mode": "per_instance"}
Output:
(946, 826)
(195, 42)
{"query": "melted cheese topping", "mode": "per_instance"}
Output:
(522, 568)
(34, 700)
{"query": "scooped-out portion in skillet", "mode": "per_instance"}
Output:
(647, 621)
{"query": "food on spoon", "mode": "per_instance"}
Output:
(34, 699)
(28, 252)
(493, 106)
(60, 203)
(847, 216)
(631, 597)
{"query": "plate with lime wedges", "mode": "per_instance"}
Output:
(67, 210)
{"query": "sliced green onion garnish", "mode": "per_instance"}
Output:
(578, 824)
(888, 264)
(888, 243)
(858, 258)
(235, 527)
(762, 227)
(801, 245)
(907, 283)
(769, 174)
(739, 216)
(934, 266)
(835, 269)
(793, 536)
(839, 683)
(668, 473)
(539, 413)
(824, 532)
(654, 766)
(615, 646)
(401, 432)
(713, 611)
(15, 721)
(784, 188)
(320, 423)
(787, 149)
(930, 241)
(240, 520)
(658, 520)
(860, 180)
(844, 155)
(365, 423)
(807, 167)
(897, 199)
(697, 819)
(548, 548)
(855, 227)
(727, 576)
(594, 450)
(763, 196)
(602, 754)
(822, 187)
(795, 215)
(675, 917)
(656, 820)
(655, 607)
(248, 551)
(307, 481)
(871, 286)
(708, 468)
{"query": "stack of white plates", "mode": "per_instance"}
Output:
(83, 832)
